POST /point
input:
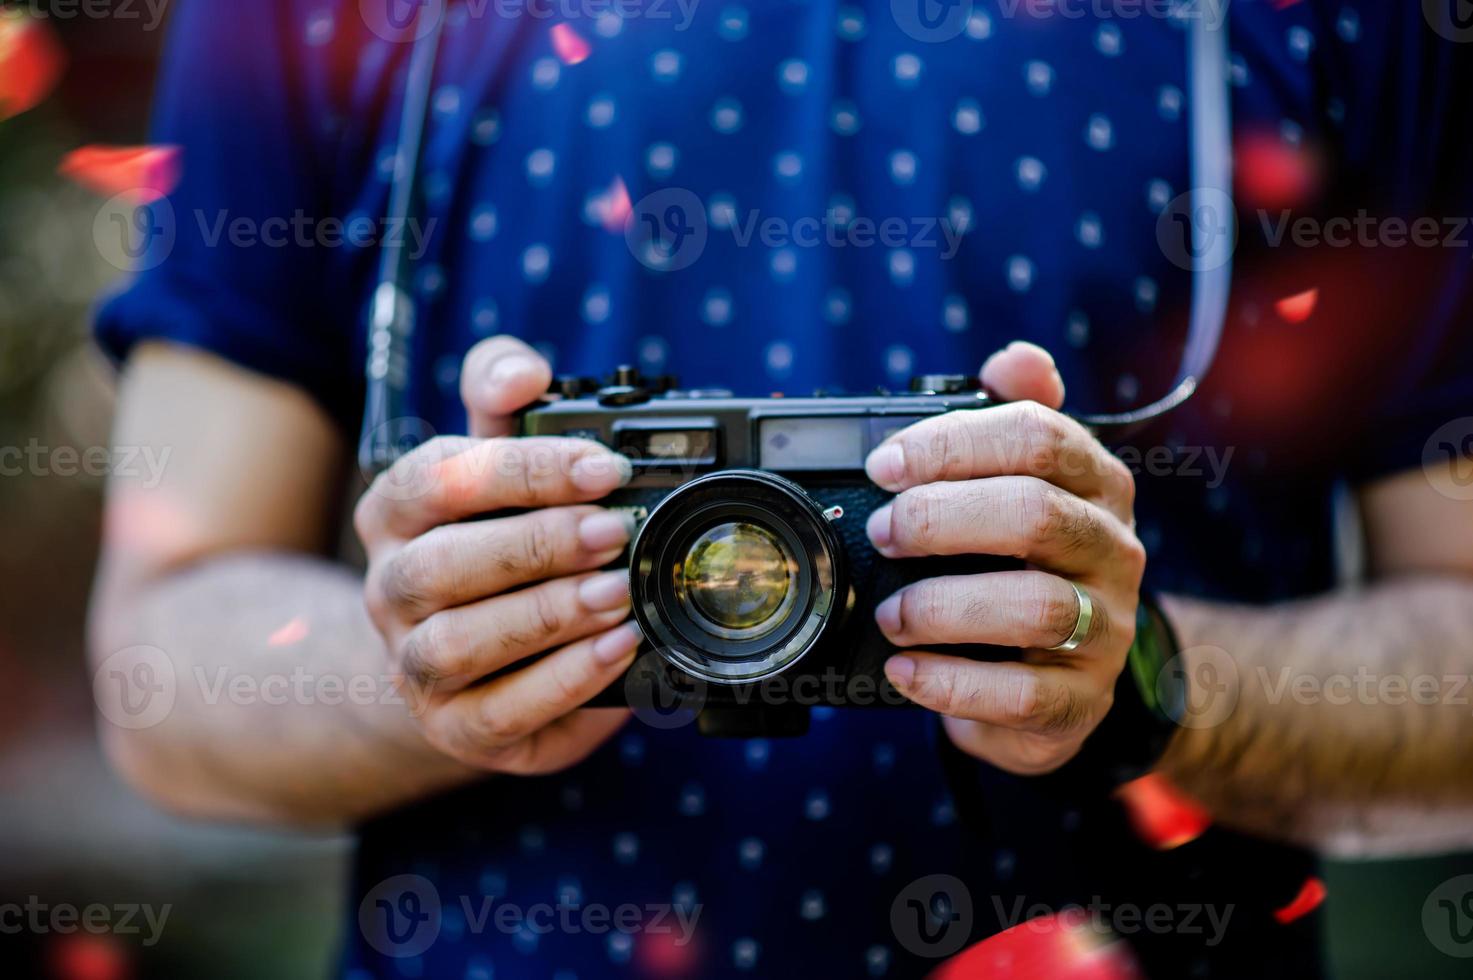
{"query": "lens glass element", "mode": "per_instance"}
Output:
(740, 578)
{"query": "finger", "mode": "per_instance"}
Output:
(499, 377)
(458, 563)
(565, 742)
(1041, 699)
(456, 647)
(1017, 516)
(508, 709)
(1022, 753)
(1023, 372)
(1023, 439)
(450, 479)
(1027, 609)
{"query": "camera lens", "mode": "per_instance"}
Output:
(740, 577)
(736, 576)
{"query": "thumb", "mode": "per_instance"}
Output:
(1023, 372)
(500, 376)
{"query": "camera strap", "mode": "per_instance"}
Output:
(1210, 227)
(1210, 224)
(392, 314)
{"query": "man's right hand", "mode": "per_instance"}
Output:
(457, 602)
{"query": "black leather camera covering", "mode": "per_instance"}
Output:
(847, 668)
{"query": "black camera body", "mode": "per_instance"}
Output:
(752, 577)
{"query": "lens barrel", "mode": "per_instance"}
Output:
(736, 575)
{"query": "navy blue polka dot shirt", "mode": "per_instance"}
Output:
(865, 191)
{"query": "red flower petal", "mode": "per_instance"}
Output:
(1299, 307)
(149, 172)
(1274, 174)
(569, 45)
(83, 956)
(615, 207)
(1163, 816)
(666, 954)
(31, 60)
(1063, 946)
(1311, 895)
(290, 633)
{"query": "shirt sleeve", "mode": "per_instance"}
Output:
(228, 268)
(1407, 105)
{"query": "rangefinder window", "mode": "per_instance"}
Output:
(813, 443)
(647, 445)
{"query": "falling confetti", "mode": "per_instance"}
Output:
(1063, 946)
(1299, 307)
(570, 47)
(615, 207)
(1311, 894)
(664, 954)
(147, 172)
(85, 956)
(290, 633)
(31, 60)
(1163, 816)
(1274, 173)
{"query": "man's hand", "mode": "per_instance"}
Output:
(457, 602)
(1025, 481)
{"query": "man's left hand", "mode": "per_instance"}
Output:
(1018, 480)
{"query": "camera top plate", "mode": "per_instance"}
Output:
(673, 434)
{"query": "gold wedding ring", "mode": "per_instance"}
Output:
(1081, 624)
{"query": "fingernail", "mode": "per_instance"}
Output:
(901, 671)
(508, 369)
(886, 465)
(605, 531)
(601, 472)
(616, 644)
(887, 615)
(878, 527)
(608, 590)
(1027, 345)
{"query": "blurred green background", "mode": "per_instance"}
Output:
(243, 904)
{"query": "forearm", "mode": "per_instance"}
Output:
(1348, 708)
(285, 709)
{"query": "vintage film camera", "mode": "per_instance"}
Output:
(751, 574)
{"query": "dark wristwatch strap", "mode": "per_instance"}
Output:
(1149, 697)
(1152, 663)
